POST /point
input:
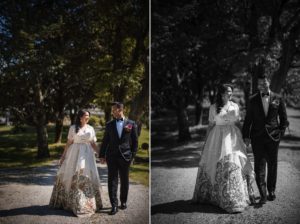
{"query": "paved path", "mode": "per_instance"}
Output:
(25, 194)
(174, 169)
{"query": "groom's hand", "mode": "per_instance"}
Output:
(102, 160)
(247, 141)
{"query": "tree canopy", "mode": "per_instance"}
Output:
(59, 56)
(198, 44)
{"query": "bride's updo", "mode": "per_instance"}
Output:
(222, 88)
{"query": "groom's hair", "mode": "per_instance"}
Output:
(118, 105)
(262, 76)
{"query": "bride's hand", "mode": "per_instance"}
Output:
(62, 158)
(247, 141)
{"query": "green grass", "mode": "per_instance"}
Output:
(139, 171)
(18, 150)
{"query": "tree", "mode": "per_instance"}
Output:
(199, 50)
(59, 58)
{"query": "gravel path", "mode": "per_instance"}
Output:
(176, 168)
(25, 194)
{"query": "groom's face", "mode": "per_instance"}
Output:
(263, 85)
(116, 112)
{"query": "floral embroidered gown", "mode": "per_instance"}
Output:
(224, 167)
(77, 187)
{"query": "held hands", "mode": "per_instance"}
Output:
(247, 141)
(102, 160)
(62, 159)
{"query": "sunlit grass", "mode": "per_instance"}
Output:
(140, 170)
(140, 173)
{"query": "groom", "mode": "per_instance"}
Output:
(119, 146)
(262, 128)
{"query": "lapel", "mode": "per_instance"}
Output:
(115, 129)
(261, 106)
(124, 124)
(271, 100)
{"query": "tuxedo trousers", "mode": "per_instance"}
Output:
(117, 166)
(265, 151)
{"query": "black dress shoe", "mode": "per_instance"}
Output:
(262, 201)
(271, 196)
(123, 206)
(114, 210)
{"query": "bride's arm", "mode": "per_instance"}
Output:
(209, 128)
(62, 158)
(238, 118)
(211, 119)
(93, 142)
(95, 147)
(238, 124)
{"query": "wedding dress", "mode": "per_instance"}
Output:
(77, 187)
(225, 172)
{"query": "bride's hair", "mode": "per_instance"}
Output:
(77, 121)
(222, 88)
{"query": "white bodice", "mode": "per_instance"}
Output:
(84, 135)
(227, 116)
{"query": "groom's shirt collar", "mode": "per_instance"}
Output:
(261, 93)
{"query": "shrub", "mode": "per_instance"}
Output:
(94, 121)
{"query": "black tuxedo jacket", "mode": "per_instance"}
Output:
(126, 146)
(256, 124)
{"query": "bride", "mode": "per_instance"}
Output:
(77, 187)
(225, 173)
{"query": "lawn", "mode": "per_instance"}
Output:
(18, 149)
(139, 171)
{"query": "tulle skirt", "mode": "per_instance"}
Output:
(77, 187)
(225, 173)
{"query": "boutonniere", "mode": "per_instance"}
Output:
(128, 127)
(275, 102)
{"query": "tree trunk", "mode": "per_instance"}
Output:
(40, 121)
(73, 115)
(247, 93)
(141, 100)
(198, 105)
(119, 92)
(183, 125)
(59, 128)
(254, 83)
(107, 112)
(288, 50)
(182, 120)
(198, 112)
(42, 140)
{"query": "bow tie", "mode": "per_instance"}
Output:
(265, 94)
(119, 119)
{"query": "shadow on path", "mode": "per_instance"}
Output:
(103, 174)
(182, 156)
(290, 138)
(43, 176)
(39, 210)
(182, 206)
(39, 176)
(186, 207)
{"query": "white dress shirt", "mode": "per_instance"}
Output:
(120, 127)
(266, 101)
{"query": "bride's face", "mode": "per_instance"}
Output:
(227, 95)
(85, 118)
